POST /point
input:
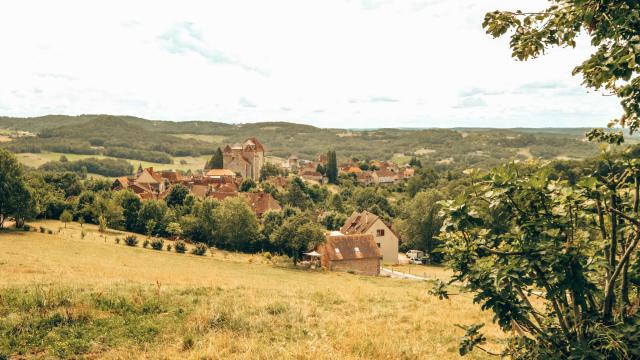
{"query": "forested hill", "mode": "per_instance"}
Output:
(158, 141)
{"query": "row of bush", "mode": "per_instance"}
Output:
(180, 246)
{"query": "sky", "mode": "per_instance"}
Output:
(328, 63)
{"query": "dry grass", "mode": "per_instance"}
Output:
(227, 305)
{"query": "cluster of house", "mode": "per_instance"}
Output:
(242, 161)
(360, 246)
(383, 172)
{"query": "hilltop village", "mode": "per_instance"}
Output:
(361, 243)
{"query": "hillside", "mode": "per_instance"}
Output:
(122, 302)
(160, 141)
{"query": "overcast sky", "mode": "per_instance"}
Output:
(329, 63)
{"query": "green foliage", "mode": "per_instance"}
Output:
(518, 233)
(297, 194)
(174, 229)
(247, 185)
(237, 226)
(297, 234)
(157, 244)
(180, 247)
(130, 204)
(268, 169)
(106, 167)
(145, 243)
(131, 240)
(200, 249)
(151, 217)
(331, 170)
(216, 161)
(333, 220)
(177, 195)
(16, 197)
(614, 30)
(419, 223)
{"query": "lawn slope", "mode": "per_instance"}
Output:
(62, 295)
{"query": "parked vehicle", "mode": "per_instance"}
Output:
(415, 255)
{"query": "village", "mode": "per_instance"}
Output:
(362, 244)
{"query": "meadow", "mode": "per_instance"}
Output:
(64, 295)
(183, 163)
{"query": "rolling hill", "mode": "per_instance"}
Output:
(159, 141)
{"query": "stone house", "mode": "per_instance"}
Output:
(245, 159)
(384, 177)
(357, 253)
(312, 175)
(370, 224)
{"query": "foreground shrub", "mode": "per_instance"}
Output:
(157, 244)
(131, 240)
(200, 249)
(26, 227)
(145, 244)
(168, 247)
(187, 343)
(117, 240)
(181, 247)
(42, 229)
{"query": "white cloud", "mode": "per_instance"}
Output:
(332, 63)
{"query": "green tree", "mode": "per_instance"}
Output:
(177, 195)
(296, 194)
(247, 185)
(237, 224)
(333, 220)
(26, 205)
(297, 235)
(518, 234)
(216, 161)
(268, 169)
(614, 30)
(270, 222)
(174, 230)
(130, 204)
(420, 223)
(152, 210)
(332, 167)
(66, 217)
(11, 182)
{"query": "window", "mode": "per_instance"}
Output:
(378, 244)
(380, 232)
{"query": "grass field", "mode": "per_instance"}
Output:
(65, 296)
(193, 163)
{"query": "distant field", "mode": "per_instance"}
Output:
(71, 297)
(193, 163)
(214, 139)
(401, 159)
